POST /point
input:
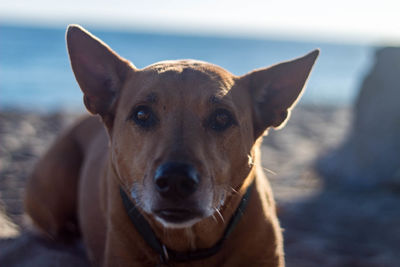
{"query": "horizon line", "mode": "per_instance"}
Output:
(223, 32)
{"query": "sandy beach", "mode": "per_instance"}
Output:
(323, 226)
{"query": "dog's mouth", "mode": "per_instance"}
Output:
(177, 215)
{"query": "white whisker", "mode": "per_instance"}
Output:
(220, 215)
(234, 190)
(251, 163)
(270, 171)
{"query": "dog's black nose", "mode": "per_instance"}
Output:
(176, 180)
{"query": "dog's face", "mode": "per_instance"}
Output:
(182, 133)
(180, 138)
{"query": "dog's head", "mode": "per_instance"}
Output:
(182, 133)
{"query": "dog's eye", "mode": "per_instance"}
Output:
(220, 120)
(144, 116)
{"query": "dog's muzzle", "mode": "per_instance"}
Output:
(176, 183)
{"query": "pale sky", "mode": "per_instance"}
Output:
(340, 20)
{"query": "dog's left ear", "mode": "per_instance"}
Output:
(100, 71)
(274, 90)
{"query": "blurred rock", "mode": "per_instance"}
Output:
(371, 154)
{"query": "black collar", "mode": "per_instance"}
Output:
(166, 254)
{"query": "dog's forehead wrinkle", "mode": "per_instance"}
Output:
(219, 100)
(151, 98)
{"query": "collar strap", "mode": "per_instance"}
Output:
(166, 254)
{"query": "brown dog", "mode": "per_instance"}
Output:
(172, 174)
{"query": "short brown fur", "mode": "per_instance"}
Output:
(74, 188)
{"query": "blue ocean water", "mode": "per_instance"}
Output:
(35, 73)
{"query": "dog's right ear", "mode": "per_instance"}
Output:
(275, 90)
(100, 72)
